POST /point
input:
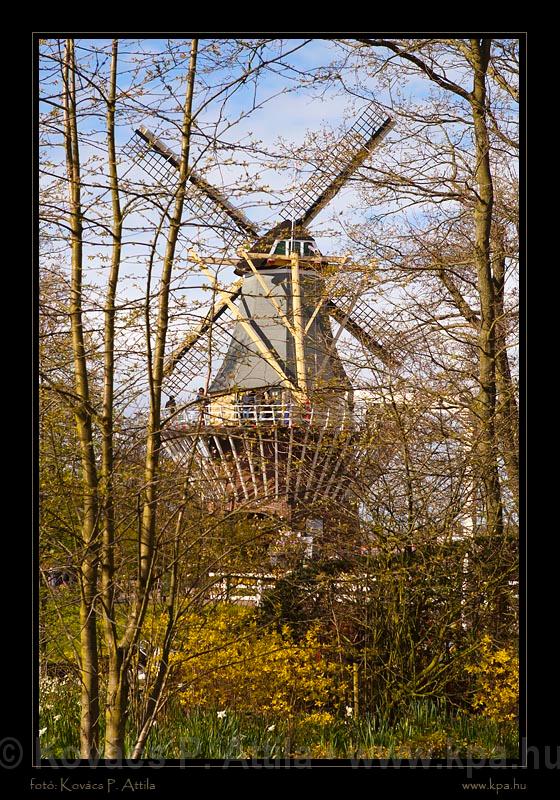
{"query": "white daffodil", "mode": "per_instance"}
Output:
(271, 728)
(57, 718)
(42, 731)
(221, 714)
(349, 711)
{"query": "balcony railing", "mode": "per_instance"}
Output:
(283, 414)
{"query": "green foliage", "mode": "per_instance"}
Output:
(201, 733)
(59, 717)
(424, 730)
(401, 620)
(296, 600)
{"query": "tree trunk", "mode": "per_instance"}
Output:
(89, 724)
(117, 702)
(485, 403)
(156, 690)
(122, 654)
(117, 683)
(485, 406)
(507, 418)
(156, 367)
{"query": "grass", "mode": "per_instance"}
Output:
(59, 717)
(424, 730)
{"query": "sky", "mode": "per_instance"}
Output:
(281, 114)
(286, 114)
(291, 116)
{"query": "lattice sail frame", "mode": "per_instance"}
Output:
(204, 201)
(340, 161)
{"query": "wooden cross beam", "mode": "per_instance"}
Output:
(264, 351)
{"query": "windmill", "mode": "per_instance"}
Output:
(276, 432)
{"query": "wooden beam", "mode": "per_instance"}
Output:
(248, 446)
(261, 347)
(226, 466)
(289, 462)
(332, 345)
(321, 303)
(305, 260)
(268, 294)
(239, 467)
(301, 469)
(335, 471)
(263, 462)
(314, 464)
(328, 458)
(298, 324)
(193, 336)
(276, 475)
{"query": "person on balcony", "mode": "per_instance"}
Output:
(267, 412)
(286, 407)
(249, 401)
(202, 399)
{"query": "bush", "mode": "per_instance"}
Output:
(496, 694)
(224, 660)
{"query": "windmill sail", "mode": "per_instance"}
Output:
(359, 327)
(204, 200)
(342, 160)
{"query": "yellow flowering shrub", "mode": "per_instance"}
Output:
(224, 660)
(497, 674)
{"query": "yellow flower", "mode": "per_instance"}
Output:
(238, 666)
(497, 671)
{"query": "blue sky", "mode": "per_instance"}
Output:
(285, 114)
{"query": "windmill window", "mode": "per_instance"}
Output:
(284, 247)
